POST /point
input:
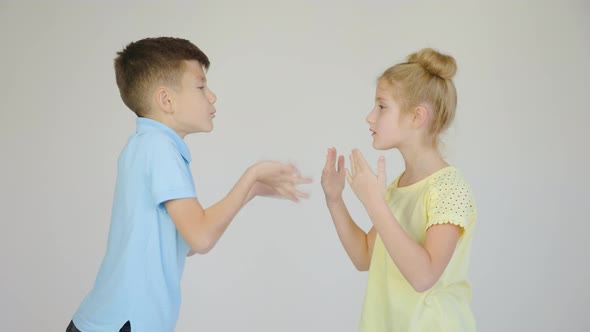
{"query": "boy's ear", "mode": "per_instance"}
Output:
(163, 99)
(421, 115)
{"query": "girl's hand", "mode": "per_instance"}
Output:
(332, 178)
(364, 183)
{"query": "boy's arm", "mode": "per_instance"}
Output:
(251, 194)
(357, 244)
(202, 228)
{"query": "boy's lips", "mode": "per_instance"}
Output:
(373, 133)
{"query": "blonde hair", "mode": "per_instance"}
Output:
(426, 79)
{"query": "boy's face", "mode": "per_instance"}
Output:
(192, 103)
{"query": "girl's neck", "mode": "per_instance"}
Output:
(421, 161)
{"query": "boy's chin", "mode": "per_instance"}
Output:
(203, 130)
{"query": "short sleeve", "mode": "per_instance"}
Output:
(169, 174)
(451, 201)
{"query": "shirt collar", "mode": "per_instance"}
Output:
(145, 125)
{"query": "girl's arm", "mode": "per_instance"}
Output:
(422, 266)
(357, 244)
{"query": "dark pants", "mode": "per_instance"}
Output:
(73, 328)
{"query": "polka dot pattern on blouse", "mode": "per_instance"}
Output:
(451, 199)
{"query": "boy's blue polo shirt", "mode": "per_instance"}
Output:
(139, 278)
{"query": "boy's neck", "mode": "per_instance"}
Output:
(166, 121)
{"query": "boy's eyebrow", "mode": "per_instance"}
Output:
(201, 78)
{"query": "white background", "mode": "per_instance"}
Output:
(294, 78)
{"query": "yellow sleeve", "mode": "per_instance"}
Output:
(450, 201)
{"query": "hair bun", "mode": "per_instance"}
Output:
(436, 63)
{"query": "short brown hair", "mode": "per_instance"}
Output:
(145, 62)
(426, 77)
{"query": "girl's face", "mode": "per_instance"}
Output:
(389, 126)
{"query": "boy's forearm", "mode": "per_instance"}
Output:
(251, 194)
(353, 238)
(218, 216)
(410, 257)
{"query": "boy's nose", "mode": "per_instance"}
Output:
(212, 97)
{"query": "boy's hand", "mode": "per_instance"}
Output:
(278, 179)
(364, 183)
(264, 190)
(332, 178)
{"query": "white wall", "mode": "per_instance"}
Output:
(292, 79)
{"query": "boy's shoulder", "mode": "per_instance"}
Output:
(150, 149)
(154, 139)
(158, 138)
(150, 142)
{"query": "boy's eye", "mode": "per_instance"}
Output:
(381, 107)
(201, 87)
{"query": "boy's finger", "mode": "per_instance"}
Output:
(283, 193)
(292, 196)
(301, 180)
(301, 194)
(292, 180)
(293, 168)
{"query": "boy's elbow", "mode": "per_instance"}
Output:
(202, 245)
(201, 250)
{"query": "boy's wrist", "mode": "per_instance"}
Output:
(251, 193)
(251, 175)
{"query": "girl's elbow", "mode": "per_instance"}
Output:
(422, 285)
(362, 265)
(362, 268)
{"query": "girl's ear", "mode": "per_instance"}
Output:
(420, 117)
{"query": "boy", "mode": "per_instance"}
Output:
(156, 219)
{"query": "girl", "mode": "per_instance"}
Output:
(418, 248)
